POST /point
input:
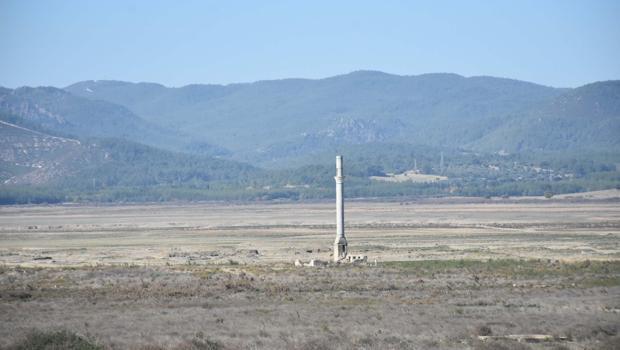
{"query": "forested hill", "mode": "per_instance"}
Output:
(585, 118)
(62, 112)
(35, 162)
(431, 134)
(445, 110)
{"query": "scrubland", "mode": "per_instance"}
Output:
(447, 276)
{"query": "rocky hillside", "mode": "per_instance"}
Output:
(62, 112)
(34, 158)
(30, 157)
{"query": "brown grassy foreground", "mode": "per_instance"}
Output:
(398, 305)
(221, 277)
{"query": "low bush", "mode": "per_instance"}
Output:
(58, 340)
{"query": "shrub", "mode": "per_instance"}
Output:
(484, 330)
(39, 340)
(203, 344)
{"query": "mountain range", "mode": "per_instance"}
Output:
(90, 127)
(261, 122)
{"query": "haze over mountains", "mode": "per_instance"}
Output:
(445, 110)
(296, 122)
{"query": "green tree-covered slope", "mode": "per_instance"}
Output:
(444, 110)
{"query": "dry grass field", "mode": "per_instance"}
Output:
(449, 275)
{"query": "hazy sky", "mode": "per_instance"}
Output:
(558, 43)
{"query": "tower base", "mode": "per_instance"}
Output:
(340, 249)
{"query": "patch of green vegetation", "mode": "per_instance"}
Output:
(434, 265)
(203, 275)
(204, 344)
(601, 282)
(510, 267)
(39, 340)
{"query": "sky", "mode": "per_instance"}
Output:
(561, 43)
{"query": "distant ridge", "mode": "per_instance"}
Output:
(437, 109)
(58, 110)
(271, 120)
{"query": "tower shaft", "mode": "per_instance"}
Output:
(340, 244)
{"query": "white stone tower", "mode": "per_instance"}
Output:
(340, 245)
